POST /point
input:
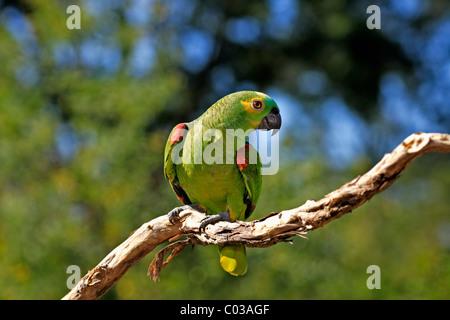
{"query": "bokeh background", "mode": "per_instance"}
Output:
(85, 114)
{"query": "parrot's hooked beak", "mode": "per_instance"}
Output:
(271, 121)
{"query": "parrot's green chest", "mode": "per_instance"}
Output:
(211, 185)
(215, 183)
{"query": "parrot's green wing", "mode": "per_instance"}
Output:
(175, 138)
(249, 164)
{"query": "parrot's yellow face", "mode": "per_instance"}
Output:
(261, 112)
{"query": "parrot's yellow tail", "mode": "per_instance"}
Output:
(233, 259)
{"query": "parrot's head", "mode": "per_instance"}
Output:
(260, 110)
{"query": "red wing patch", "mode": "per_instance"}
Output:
(241, 157)
(178, 133)
(180, 198)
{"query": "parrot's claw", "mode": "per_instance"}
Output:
(174, 214)
(222, 216)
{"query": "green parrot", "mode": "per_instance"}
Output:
(211, 171)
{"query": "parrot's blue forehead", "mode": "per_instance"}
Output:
(265, 97)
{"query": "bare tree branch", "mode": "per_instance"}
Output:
(274, 228)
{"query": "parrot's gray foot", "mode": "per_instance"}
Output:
(222, 216)
(174, 214)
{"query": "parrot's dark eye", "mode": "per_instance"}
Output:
(257, 104)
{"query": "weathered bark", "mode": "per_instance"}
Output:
(274, 228)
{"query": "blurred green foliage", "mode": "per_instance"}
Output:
(82, 136)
